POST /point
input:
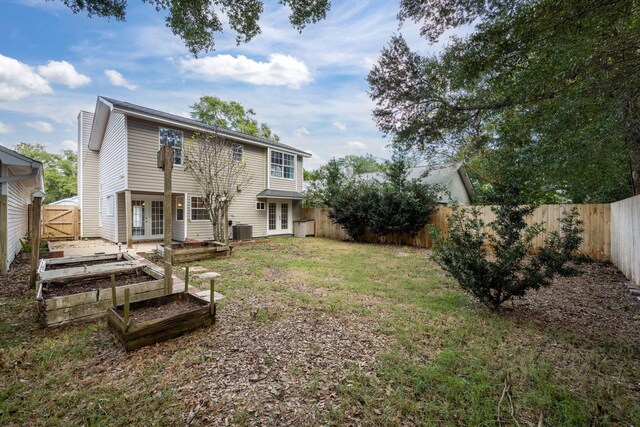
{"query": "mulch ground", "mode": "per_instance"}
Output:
(152, 312)
(269, 363)
(16, 283)
(594, 304)
(85, 285)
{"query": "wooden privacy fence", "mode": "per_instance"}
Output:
(596, 218)
(625, 237)
(60, 222)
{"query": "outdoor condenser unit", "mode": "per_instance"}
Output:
(242, 232)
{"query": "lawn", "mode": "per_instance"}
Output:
(315, 331)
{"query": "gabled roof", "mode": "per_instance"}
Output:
(13, 158)
(21, 167)
(105, 105)
(436, 175)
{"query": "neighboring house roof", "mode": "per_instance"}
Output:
(280, 194)
(22, 168)
(68, 201)
(436, 175)
(105, 105)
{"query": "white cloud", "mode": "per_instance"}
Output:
(41, 126)
(5, 128)
(313, 162)
(301, 132)
(69, 144)
(118, 79)
(339, 125)
(280, 70)
(63, 73)
(357, 145)
(18, 80)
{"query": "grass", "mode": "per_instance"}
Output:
(447, 361)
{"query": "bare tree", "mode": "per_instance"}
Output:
(218, 167)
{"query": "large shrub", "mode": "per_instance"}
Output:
(493, 261)
(384, 206)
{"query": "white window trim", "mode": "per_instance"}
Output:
(182, 149)
(184, 210)
(264, 208)
(241, 152)
(110, 205)
(293, 166)
(191, 210)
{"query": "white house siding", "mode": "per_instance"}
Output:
(299, 175)
(122, 219)
(88, 179)
(177, 227)
(143, 175)
(112, 158)
(18, 199)
(458, 190)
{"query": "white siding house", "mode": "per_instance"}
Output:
(119, 143)
(20, 178)
(452, 178)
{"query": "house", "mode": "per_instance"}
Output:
(119, 181)
(69, 201)
(21, 178)
(452, 177)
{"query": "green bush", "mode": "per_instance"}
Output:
(493, 261)
(392, 205)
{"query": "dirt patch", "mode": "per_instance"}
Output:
(152, 312)
(53, 289)
(271, 364)
(594, 304)
(79, 264)
(16, 282)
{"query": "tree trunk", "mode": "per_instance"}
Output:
(633, 150)
(633, 143)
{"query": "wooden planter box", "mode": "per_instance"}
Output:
(139, 334)
(195, 251)
(58, 310)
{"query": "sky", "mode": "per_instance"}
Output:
(310, 88)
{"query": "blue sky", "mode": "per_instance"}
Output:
(310, 87)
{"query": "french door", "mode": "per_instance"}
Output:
(147, 218)
(279, 217)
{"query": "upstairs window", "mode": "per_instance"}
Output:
(172, 138)
(282, 165)
(237, 152)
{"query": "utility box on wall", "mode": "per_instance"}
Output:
(304, 228)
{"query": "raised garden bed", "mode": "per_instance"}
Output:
(195, 251)
(60, 263)
(158, 319)
(76, 297)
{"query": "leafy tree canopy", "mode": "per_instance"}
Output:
(196, 22)
(543, 92)
(60, 170)
(354, 163)
(230, 115)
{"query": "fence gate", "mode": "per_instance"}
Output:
(60, 222)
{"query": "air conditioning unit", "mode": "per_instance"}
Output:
(242, 232)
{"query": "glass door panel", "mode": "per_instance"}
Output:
(137, 217)
(157, 217)
(272, 216)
